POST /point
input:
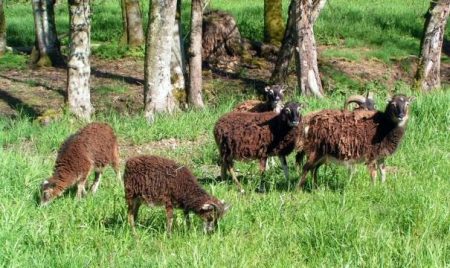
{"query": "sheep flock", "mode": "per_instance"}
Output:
(253, 130)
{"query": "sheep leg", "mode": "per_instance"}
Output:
(285, 167)
(233, 175)
(187, 218)
(262, 169)
(382, 168)
(169, 213)
(81, 190)
(223, 171)
(372, 166)
(310, 164)
(116, 161)
(133, 209)
(96, 183)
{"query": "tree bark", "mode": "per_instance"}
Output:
(158, 95)
(133, 32)
(79, 69)
(280, 72)
(178, 60)
(273, 21)
(47, 47)
(195, 55)
(428, 71)
(2, 29)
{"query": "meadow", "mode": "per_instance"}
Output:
(340, 222)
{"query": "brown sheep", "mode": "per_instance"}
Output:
(248, 136)
(274, 101)
(352, 137)
(91, 148)
(160, 181)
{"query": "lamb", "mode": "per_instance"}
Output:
(91, 148)
(247, 136)
(274, 99)
(352, 137)
(160, 181)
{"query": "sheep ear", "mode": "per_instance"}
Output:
(266, 89)
(283, 88)
(411, 99)
(207, 207)
(388, 98)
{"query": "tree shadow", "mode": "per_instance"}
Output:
(446, 47)
(60, 91)
(257, 84)
(18, 105)
(127, 79)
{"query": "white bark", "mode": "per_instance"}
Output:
(178, 60)
(79, 70)
(158, 95)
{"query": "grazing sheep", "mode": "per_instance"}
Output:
(352, 137)
(248, 136)
(363, 103)
(91, 148)
(274, 101)
(160, 181)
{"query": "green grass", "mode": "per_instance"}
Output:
(405, 222)
(12, 61)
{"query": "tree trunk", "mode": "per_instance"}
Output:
(133, 32)
(178, 60)
(195, 56)
(280, 72)
(428, 71)
(47, 47)
(2, 30)
(79, 69)
(158, 95)
(273, 21)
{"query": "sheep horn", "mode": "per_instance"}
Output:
(358, 99)
(369, 95)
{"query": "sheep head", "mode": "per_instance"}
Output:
(274, 94)
(291, 113)
(211, 212)
(397, 109)
(47, 192)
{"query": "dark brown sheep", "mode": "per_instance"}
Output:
(352, 137)
(274, 101)
(160, 181)
(91, 148)
(249, 136)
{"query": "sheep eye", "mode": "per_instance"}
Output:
(288, 111)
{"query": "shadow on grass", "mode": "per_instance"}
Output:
(254, 83)
(127, 79)
(18, 105)
(37, 83)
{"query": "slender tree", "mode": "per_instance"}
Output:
(273, 21)
(195, 55)
(133, 32)
(178, 61)
(299, 34)
(79, 69)
(429, 68)
(158, 95)
(2, 30)
(46, 51)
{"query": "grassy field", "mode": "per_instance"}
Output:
(402, 223)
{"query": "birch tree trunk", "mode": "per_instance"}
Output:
(158, 95)
(178, 60)
(429, 68)
(307, 68)
(79, 69)
(2, 29)
(133, 32)
(195, 56)
(280, 72)
(46, 51)
(273, 21)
